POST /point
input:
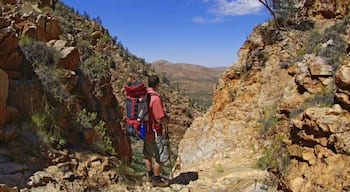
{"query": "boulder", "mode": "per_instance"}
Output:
(70, 57)
(342, 80)
(8, 40)
(45, 28)
(319, 150)
(313, 73)
(342, 77)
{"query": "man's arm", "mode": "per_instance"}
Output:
(164, 120)
(158, 110)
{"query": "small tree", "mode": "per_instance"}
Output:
(281, 10)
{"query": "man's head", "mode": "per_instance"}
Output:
(153, 81)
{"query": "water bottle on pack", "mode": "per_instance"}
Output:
(142, 131)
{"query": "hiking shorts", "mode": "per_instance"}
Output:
(150, 149)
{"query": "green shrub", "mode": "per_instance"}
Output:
(338, 49)
(44, 62)
(89, 120)
(48, 127)
(104, 141)
(323, 99)
(138, 160)
(334, 51)
(268, 120)
(95, 68)
(84, 49)
(105, 38)
(269, 35)
(38, 53)
(40, 120)
(275, 156)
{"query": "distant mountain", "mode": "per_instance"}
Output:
(196, 81)
(185, 71)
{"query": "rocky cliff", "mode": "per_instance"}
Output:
(61, 101)
(280, 114)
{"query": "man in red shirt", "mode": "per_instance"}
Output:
(157, 117)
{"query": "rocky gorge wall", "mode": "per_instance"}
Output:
(283, 107)
(24, 90)
(61, 102)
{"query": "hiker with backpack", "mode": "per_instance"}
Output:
(144, 118)
(154, 143)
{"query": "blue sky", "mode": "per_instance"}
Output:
(202, 32)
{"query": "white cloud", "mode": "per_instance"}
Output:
(203, 20)
(235, 7)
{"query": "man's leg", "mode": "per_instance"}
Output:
(158, 181)
(157, 167)
(148, 163)
(147, 152)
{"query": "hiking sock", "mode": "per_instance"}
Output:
(150, 173)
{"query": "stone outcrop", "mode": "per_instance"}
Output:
(23, 94)
(324, 9)
(342, 80)
(293, 105)
(8, 114)
(69, 56)
(81, 171)
(319, 150)
(224, 142)
(41, 98)
(45, 28)
(10, 59)
(69, 172)
(313, 73)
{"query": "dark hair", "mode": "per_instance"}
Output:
(153, 80)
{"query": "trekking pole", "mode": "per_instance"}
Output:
(169, 149)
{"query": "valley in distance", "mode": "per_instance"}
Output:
(195, 81)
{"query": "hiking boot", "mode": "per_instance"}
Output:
(160, 182)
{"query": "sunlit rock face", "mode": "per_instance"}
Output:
(225, 144)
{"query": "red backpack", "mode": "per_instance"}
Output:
(136, 104)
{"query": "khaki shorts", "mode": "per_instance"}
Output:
(150, 150)
(158, 149)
